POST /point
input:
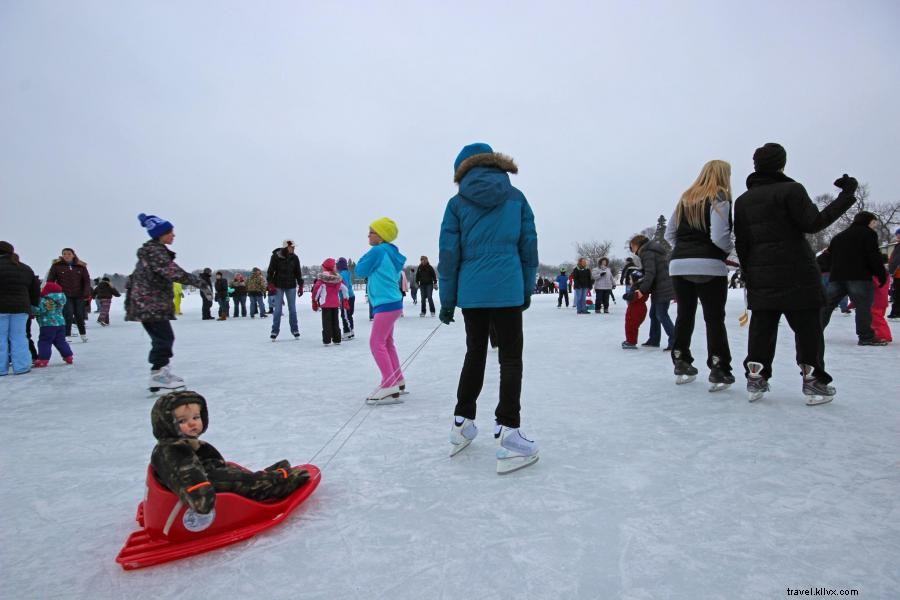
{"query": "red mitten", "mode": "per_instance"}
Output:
(346, 304)
(315, 306)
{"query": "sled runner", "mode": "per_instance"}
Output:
(169, 530)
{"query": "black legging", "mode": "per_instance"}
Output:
(507, 324)
(712, 295)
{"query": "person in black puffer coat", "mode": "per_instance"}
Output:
(855, 260)
(778, 265)
(582, 282)
(18, 293)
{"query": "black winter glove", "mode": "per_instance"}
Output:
(446, 314)
(847, 183)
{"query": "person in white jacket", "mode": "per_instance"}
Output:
(603, 284)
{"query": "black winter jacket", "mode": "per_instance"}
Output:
(284, 270)
(19, 289)
(770, 221)
(425, 275)
(581, 279)
(105, 290)
(655, 265)
(855, 255)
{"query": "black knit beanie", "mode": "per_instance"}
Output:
(770, 158)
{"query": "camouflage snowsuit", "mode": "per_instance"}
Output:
(150, 296)
(194, 470)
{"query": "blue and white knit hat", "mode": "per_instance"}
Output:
(155, 226)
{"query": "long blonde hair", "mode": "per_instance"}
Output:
(714, 178)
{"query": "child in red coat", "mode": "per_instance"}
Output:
(636, 311)
(879, 307)
(329, 293)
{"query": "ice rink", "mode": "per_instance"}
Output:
(643, 490)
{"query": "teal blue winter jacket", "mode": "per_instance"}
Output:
(381, 266)
(488, 243)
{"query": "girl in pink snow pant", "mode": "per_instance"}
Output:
(381, 343)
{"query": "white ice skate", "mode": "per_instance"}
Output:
(401, 383)
(163, 380)
(83, 338)
(816, 392)
(384, 396)
(462, 432)
(756, 383)
(514, 451)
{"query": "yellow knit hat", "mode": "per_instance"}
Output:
(385, 228)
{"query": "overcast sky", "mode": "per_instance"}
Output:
(245, 123)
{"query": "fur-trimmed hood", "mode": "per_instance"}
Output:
(75, 261)
(329, 277)
(484, 179)
(493, 160)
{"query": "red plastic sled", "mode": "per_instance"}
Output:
(168, 533)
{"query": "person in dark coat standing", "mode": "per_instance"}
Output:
(284, 273)
(855, 260)
(582, 282)
(657, 284)
(73, 277)
(779, 267)
(426, 280)
(19, 291)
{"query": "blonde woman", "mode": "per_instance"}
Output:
(700, 234)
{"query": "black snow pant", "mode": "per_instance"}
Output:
(425, 296)
(73, 311)
(563, 295)
(712, 295)
(895, 299)
(331, 327)
(207, 306)
(162, 338)
(809, 340)
(347, 314)
(507, 323)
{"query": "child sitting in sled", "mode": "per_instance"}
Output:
(194, 470)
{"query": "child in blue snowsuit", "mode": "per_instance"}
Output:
(563, 282)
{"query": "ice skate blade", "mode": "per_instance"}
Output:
(154, 392)
(683, 379)
(718, 387)
(754, 396)
(514, 463)
(386, 401)
(457, 448)
(816, 399)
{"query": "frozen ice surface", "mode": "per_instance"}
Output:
(643, 490)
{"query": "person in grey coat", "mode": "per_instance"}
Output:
(656, 283)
